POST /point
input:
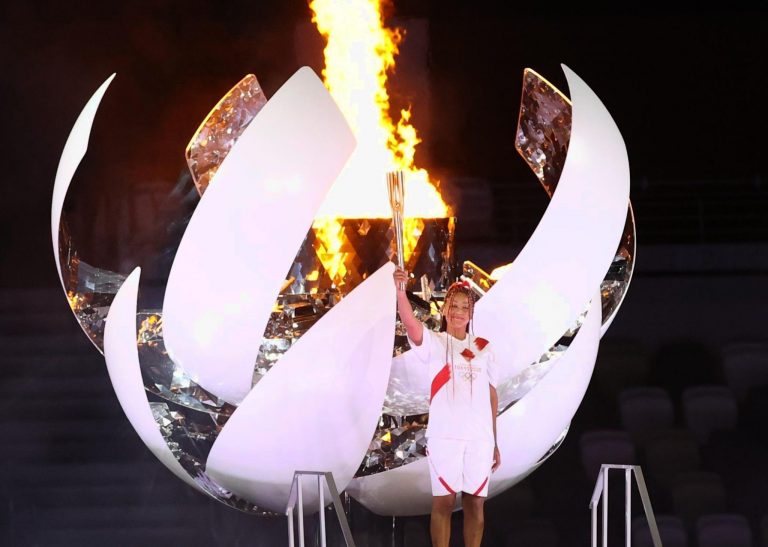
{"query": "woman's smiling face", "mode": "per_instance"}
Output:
(458, 312)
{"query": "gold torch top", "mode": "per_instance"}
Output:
(396, 190)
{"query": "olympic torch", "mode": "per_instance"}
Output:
(396, 201)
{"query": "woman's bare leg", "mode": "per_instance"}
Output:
(473, 519)
(440, 522)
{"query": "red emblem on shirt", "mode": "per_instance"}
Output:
(481, 343)
(467, 354)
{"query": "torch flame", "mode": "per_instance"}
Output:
(359, 52)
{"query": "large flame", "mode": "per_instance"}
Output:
(359, 52)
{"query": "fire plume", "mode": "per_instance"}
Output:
(359, 53)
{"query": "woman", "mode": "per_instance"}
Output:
(461, 436)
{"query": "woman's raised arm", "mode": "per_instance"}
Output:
(412, 325)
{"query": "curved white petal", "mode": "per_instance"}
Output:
(245, 232)
(71, 156)
(74, 151)
(318, 408)
(122, 357)
(525, 432)
(403, 491)
(566, 258)
(532, 426)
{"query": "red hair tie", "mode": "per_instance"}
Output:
(461, 283)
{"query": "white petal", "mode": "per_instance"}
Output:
(532, 426)
(570, 251)
(317, 409)
(403, 491)
(246, 231)
(71, 156)
(74, 151)
(122, 358)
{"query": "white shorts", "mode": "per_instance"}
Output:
(459, 466)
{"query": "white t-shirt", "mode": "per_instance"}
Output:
(460, 399)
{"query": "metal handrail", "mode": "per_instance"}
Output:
(601, 492)
(295, 497)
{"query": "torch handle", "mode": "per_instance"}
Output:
(398, 221)
(396, 190)
(399, 239)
